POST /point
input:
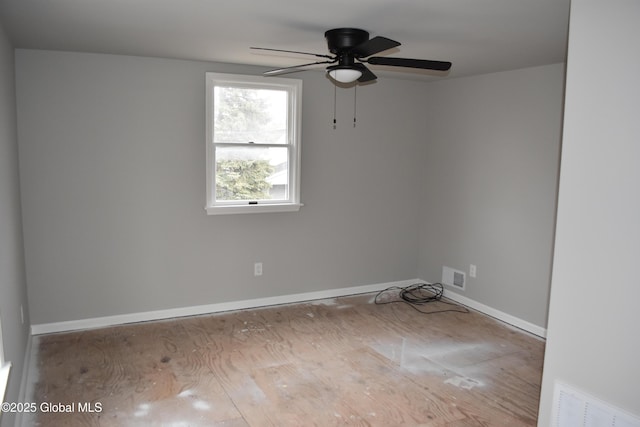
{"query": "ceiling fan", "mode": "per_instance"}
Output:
(351, 48)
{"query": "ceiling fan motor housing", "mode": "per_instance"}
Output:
(343, 39)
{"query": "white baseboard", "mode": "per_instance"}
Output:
(24, 394)
(4, 379)
(103, 322)
(24, 381)
(500, 315)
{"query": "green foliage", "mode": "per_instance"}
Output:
(243, 115)
(239, 113)
(243, 179)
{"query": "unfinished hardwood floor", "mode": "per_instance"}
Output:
(342, 361)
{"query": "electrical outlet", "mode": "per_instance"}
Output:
(257, 269)
(472, 270)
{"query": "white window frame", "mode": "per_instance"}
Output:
(294, 91)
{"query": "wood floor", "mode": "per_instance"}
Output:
(342, 361)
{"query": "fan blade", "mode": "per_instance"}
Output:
(367, 75)
(294, 68)
(292, 51)
(373, 46)
(410, 63)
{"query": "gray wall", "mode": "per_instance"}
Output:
(13, 292)
(112, 169)
(113, 186)
(594, 339)
(489, 179)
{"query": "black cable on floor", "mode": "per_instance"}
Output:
(417, 295)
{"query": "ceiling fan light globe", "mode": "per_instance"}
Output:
(344, 75)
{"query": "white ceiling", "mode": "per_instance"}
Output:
(477, 36)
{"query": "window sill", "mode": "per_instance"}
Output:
(4, 380)
(245, 209)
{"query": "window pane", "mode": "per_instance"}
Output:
(252, 173)
(244, 115)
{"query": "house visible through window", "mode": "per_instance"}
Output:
(253, 144)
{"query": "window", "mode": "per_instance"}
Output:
(253, 144)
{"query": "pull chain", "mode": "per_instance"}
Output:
(355, 104)
(355, 101)
(334, 106)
